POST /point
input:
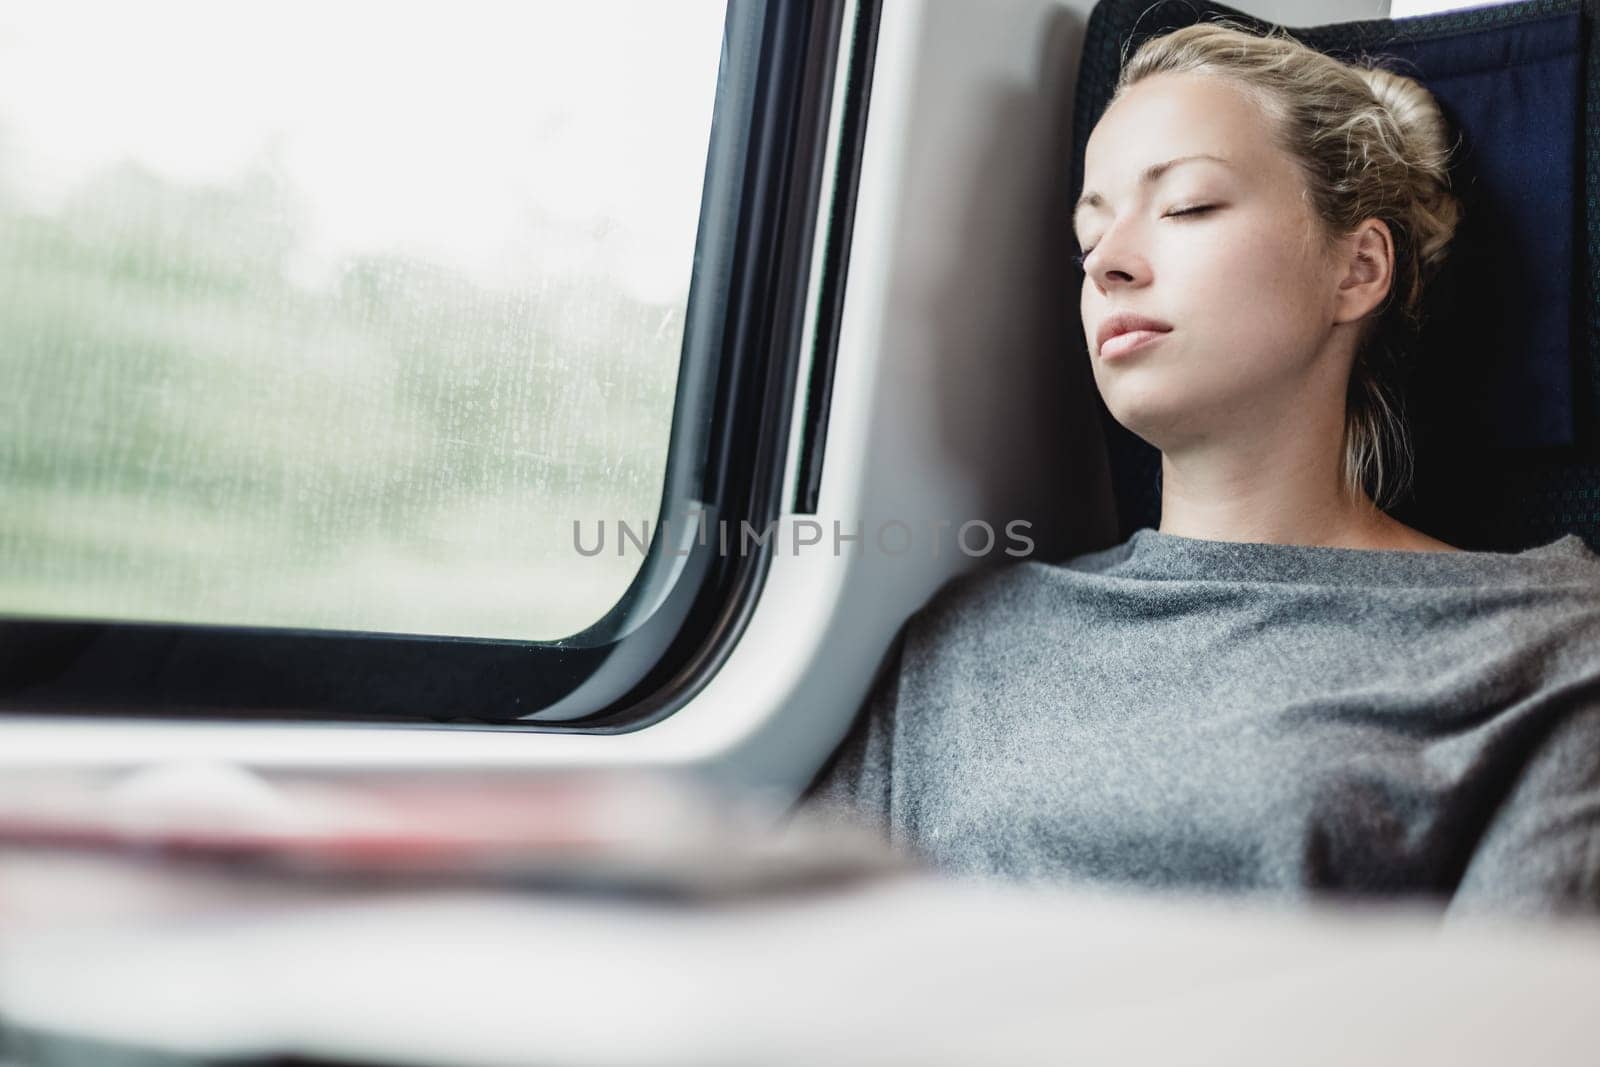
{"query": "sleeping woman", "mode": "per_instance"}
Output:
(1283, 690)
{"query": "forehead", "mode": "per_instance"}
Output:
(1168, 115)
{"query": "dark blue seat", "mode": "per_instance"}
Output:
(1507, 381)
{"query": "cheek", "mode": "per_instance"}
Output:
(1256, 293)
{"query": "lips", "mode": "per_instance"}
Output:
(1136, 330)
(1124, 343)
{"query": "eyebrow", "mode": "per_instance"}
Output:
(1151, 174)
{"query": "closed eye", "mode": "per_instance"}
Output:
(1198, 209)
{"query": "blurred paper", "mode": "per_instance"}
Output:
(186, 833)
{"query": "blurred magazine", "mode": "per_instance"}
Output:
(178, 834)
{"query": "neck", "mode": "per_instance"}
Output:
(1271, 471)
(1271, 495)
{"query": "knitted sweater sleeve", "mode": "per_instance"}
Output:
(857, 780)
(1540, 851)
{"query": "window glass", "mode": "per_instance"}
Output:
(338, 315)
(1400, 9)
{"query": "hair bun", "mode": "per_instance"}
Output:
(1425, 133)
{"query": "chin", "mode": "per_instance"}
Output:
(1143, 407)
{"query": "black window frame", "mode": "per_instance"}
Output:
(688, 603)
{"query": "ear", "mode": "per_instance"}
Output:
(1367, 267)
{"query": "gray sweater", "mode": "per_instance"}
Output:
(1222, 717)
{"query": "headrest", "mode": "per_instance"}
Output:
(1504, 386)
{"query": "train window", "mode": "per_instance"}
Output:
(340, 340)
(1413, 8)
(342, 329)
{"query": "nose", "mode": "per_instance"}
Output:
(1116, 261)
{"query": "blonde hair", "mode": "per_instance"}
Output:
(1371, 144)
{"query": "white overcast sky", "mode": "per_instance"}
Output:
(441, 129)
